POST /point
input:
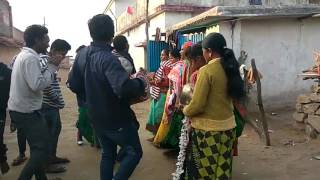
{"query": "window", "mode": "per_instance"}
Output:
(255, 2)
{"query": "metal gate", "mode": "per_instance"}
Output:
(154, 52)
(195, 37)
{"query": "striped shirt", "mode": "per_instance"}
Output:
(52, 95)
(160, 75)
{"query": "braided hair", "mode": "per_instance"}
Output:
(235, 85)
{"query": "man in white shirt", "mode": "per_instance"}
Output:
(26, 96)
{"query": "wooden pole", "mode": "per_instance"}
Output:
(246, 102)
(260, 104)
(147, 20)
(146, 63)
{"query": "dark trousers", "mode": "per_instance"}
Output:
(128, 139)
(52, 117)
(35, 128)
(22, 142)
(3, 147)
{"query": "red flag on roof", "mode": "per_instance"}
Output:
(130, 10)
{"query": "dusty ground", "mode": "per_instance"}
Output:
(256, 162)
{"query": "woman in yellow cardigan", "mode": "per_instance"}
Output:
(209, 153)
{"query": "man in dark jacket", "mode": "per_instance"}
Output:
(98, 78)
(5, 78)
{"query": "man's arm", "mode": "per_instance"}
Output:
(75, 80)
(6, 73)
(36, 78)
(126, 64)
(50, 92)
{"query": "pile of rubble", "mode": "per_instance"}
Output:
(308, 114)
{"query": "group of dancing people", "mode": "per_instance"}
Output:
(194, 108)
(199, 91)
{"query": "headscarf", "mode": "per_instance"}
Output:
(187, 44)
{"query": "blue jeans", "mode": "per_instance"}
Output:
(52, 117)
(128, 139)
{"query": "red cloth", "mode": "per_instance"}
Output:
(241, 108)
(130, 10)
(235, 148)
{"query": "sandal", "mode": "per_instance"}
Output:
(150, 139)
(58, 160)
(55, 169)
(19, 160)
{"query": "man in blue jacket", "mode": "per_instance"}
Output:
(99, 79)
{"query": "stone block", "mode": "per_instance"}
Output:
(314, 121)
(303, 99)
(299, 126)
(299, 108)
(315, 97)
(315, 89)
(311, 132)
(311, 108)
(299, 117)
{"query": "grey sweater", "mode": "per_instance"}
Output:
(28, 80)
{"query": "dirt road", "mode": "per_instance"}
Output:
(282, 161)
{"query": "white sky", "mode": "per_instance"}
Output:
(65, 19)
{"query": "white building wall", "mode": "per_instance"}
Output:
(198, 3)
(209, 3)
(285, 2)
(157, 22)
(138, 35)
(154, 4)
(120, 6)
(173, 18)
(232, 36)
(134, 37)
(234, 3)
(282, 49)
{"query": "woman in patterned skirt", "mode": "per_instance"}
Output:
(159, 89)
(209, 153)
(174, 57)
